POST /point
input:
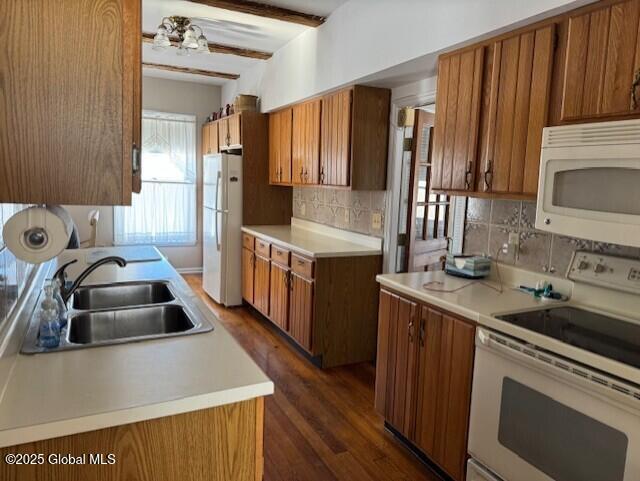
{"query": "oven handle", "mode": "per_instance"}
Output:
(558, 366)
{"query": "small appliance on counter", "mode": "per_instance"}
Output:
(467, 266)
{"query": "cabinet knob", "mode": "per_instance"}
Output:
(467, 176)
(488, 175)
(634, 87)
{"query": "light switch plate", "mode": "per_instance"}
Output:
(376, 221)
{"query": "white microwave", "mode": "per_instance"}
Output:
(589, 184)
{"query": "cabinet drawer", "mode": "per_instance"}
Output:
(280, 255)
(248, 241)
(262, 248)
(302, 266)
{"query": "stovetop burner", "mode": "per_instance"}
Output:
(597, 333)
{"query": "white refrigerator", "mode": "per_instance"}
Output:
(221, 223)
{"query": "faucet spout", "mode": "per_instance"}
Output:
(66, 293)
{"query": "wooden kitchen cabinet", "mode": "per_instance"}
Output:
(71, 117)
(335, 147)
(305, 143)
(210, 138)
(261, 286)
(423, 378)
(230, 131)
(301, 310)
(248, 273)
(279, 295)
(601, 62)
(454, 151)
(280, 132)
(518, 83)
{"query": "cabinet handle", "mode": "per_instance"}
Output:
(411, 331)
(422, 332)
(634, 87)
(135, 159)
(301, 174)
(306, 176)
(300, 263)
(322, 174)
(488, 175)
(467, 177)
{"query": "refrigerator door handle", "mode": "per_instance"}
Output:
(215, 215)
(218, 177)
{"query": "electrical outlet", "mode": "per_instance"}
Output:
(303, 209)
(376, 221)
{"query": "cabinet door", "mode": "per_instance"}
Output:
(280, 147)
(301, 311)
(279, 296)
(223, 133)
(248, 262)
(519, 86)
(206, 139)
(75, 147)
(602, 60)
(335, 146)
(453, 396)
(213, 138)
(457, 120)
(234, 126)
(397, 362)
(261, 292)
(306, 142)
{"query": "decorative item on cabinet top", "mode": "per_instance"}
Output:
(337, 140)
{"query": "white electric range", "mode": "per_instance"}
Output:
(556, 390)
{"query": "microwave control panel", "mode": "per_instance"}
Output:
(619, 273)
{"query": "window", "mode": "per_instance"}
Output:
(164, 212)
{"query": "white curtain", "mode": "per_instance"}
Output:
(165, 211)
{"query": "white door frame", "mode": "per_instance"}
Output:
(413, 95)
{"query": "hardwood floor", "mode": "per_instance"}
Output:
(319, 424)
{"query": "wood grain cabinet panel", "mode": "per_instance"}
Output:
(602, 59)
(518, 88)
(70, 119)
(214, 146)
(305, 142)
(230, 131)
(280, 132)
(423, 378)
(248, 273)
(206, 138)
(335, 147)
(261, 286)
(457, 116)
(279, 295)
(301, 311)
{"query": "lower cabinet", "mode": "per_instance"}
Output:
(326, 305)
(423, 378)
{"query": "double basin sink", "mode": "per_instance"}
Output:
(120, 313)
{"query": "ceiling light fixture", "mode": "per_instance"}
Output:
(190, 36)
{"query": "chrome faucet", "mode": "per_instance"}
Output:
(61, 276)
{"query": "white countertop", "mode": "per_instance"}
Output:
(316, 240)
(481, 304)
(61, 393)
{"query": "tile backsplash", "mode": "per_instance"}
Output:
(341, 208)
(489, 222)
(13, 272)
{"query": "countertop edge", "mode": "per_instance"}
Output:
(428, 298)
(366, 251)
(66, 427)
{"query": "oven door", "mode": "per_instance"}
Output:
(538, 417)
(591, 192)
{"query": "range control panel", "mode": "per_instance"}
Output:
(619, 273)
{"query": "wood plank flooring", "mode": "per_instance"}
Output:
(320, 425)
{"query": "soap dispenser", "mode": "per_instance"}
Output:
(49, 316)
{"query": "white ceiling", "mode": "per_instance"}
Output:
(226, 27)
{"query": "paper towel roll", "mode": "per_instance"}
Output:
(38, 234)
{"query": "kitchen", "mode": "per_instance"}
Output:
(312, 251)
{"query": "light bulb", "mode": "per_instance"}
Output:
(190, 40)
(203, 45)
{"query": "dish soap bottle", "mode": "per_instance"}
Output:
(49, 320)
(62, 308)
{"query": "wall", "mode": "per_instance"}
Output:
(386, 43)
(167, 96)
(344, 209)
(13, 272)
(488, 224)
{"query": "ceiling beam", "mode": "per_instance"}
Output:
(147, 37)
(194, 71)
(264, 10)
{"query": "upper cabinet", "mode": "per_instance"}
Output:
(453, 157)
(340, 140)
(230, 132)
(210, 138)
(305, 142)
(517, 87)
(280, 131)
(71, 117)
(602, 69)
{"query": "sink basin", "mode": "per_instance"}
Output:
(121, 295)
(124, 324)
